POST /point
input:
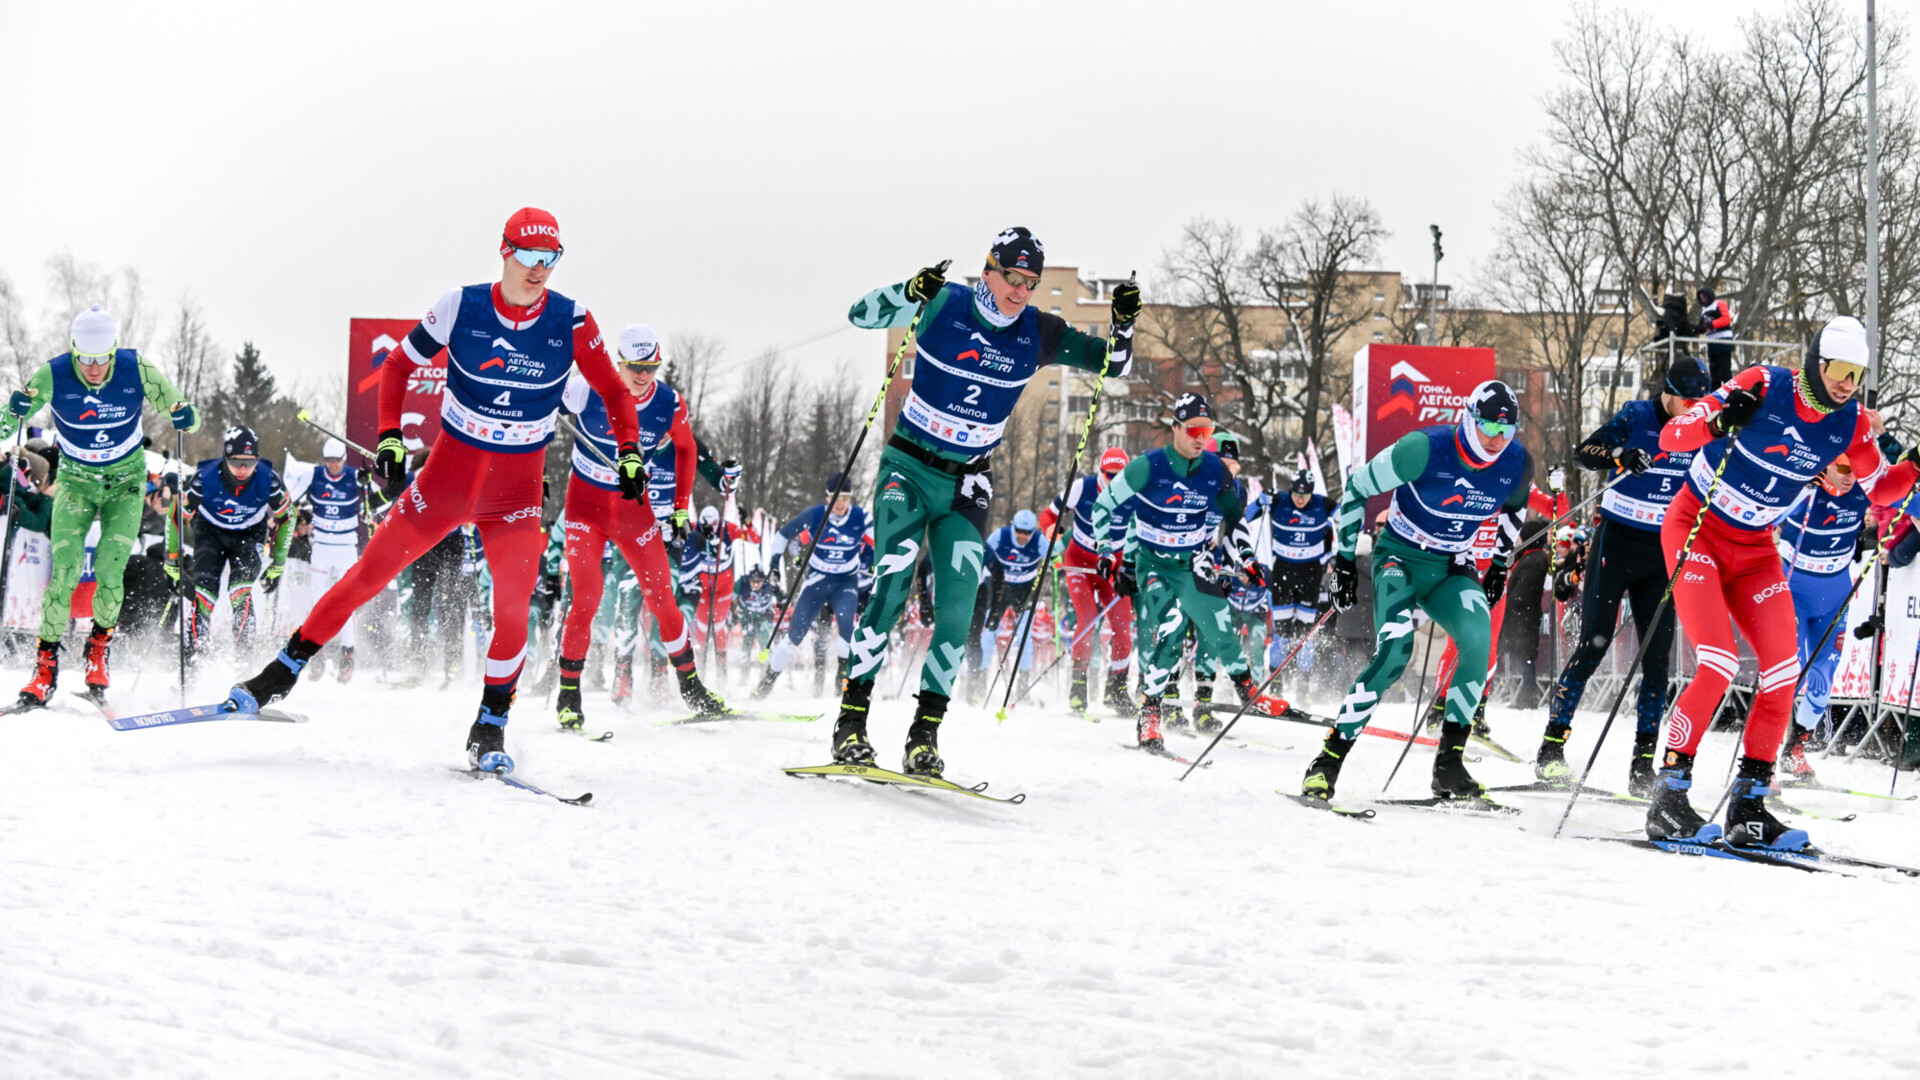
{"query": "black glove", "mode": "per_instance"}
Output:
(1869, 628)
(630, 471)
(1346, 583)
(1634, 460)
(1564, 584)
(924, 285)
(1126, 302)
(390, 456)
(1120, 574)
(1742, 406)
(1250, 566)
(1494, 582)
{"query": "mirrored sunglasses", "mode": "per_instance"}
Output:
(1494, 428)
(531, 257)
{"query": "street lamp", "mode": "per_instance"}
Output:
(1433, 297)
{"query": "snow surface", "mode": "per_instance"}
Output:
(330, 899)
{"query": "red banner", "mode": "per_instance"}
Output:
(1403, 388)
(368, 343)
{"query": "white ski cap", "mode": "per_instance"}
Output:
(639, 345)
(95, 332)
(1844, 338)
(333, 448)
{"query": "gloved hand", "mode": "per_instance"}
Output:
(1783, 549)
(1126, 302)
(692, 590)
(924, 285)
(679, 526)
(21, 403)
(1565, 584)
(630, 472)
(1494, 582)
(730, 471)
(1556, 480)
(1250, 566)
(185, 417)
(1742, 406)
(270, 581)
(1634, 460)
(390, 456)
(1869, 628)
(1346, 583)
(1111, 569)
(172, 567)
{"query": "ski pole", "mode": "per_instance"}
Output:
(1420, 716)
(189, 598)
(1092, 625)
(580, 439)
(1248, 704)
(846, 474)
(13, 515)
(1014, 648)
(1640, 654)
(306, 417)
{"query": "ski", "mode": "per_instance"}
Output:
(1299, 716)
(877, 775)
(1823, 856)
(1358, 813)
(1496, 748)
(1481, 805)
(513, 781)
(740, 714)
(195, 714)
(1165, 753)
(1796, 811)
(1548, 787)
(98, 699)
(1716, 849)
(604, 736)
(1818, 786)
(19, 707)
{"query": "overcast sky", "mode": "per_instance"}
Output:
(742, 169)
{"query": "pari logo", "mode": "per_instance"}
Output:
(507, 360)
(1410, 391)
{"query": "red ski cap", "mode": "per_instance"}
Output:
(1113, 459)
(532, 229)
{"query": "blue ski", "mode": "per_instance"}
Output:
(196, 714)
(513, 781)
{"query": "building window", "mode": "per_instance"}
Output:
(1190, 374)
(1056, 292)
(1378, 336)
(906, 366)
(1056, 310)
(1379, 316)
(1379, 298)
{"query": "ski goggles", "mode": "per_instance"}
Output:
(1494, 429)
(1843, 370)
(94, 359)
(1016, 279)
(242, 462)
(1843, 466)
(532, 257)
(1200, 432)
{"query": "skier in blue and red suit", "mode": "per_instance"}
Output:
(510, 347)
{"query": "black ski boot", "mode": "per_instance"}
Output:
(1118, 699)
(1643, 781)
(701, 700)
(1204, 721)
(1172, 718)
(923, 737)
(850, 745)
(487, 738)
(1147, 724)
(1077, 690)
(276, 680)
(1550, 764)
(1450, 777)
(1436, 712)
(1672, 817)
(345, 673)
(570, 715)
(1324, 773)
(767, 680)
(1749, 823)
(1480, 727)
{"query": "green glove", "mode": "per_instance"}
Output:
(679, 527)
(271, 581)
(390, 456)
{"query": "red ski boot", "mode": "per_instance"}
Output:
(96, 657)
(46, 675)
(1254, 700)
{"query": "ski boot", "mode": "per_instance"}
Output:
(1436, 713)
(1799, 769)
(1450, 777)
(1324, 773)
(46, 676)
(1672, 817)
(567, 704)
(345, 673)
(1147, 724)
(767, 680)
(1642, 780)
(1550, 764)
(1255, 701)
(819, 679)
(1077, 690)
(704, 703)
(923, 737)
(1171, 716)
(850, 745)
(1204, 721)
(487, 738)
(622, 679)
(276, 680)
(1118, 699)
(1749, 823)
(1480, 728)
(98, 643)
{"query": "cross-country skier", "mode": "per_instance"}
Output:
(1775, 430)
(95, 390)
(1819, 537)
(1447, 480)
(830, 581)
(336, 497)
(712, 544)
(755, 600)
(1014, 554)
(1302, 532)
(977, 348)
(510, 346)
(1172, 492)
(596, 513)
(237, 503)
(1625, 559)
(1089, 592)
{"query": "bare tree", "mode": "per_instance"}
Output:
(76, 286)
(691, 362)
